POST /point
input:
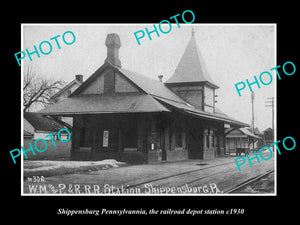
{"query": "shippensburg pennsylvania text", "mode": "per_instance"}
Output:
(111, 189)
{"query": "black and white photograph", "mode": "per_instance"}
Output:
(127, 112)
(144, 109)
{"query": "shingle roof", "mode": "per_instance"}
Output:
(192, 111)
(191, 67)
(242, 131)
(161, 92)
(66, 88)
(156, 98)
(114, 103)
(42, 123)
(247, 132)
(151, 86)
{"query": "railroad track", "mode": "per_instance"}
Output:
(177, 175)
(194, 175)
(249, 181)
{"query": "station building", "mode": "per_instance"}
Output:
(121, 114)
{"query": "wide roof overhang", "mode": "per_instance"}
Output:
(103, 104)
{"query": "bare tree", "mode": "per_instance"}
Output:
(38, 90)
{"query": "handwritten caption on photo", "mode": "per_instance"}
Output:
(108, 189)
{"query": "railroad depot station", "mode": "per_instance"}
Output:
(120, 114)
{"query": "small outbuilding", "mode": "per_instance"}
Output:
(240, 140)
(36, 126)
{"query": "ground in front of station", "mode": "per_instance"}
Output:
(188, 177)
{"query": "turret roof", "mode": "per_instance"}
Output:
(191, 67)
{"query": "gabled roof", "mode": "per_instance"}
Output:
(191, 67)
(151, 86)
(241, 132)
(91, 78)
(164, 95)
(155, 96)
(247, 132)
(42, 123)
(65, 88)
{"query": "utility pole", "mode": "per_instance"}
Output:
(252, 101)
(271, 104)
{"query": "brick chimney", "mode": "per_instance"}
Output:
(113, 44)
(160, 77)
(79, 78)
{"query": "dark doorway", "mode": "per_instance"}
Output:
(195, 144)
(163, 146)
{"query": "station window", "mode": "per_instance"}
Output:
(178, 138)
(210, 138)
(155, 140)
(130, 136)
(206, 138)
(209, 99)
(85, 137)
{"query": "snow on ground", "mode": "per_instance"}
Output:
(42, 165)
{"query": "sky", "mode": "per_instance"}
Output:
(232, 53)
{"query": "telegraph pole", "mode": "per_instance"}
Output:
(271, 104)
(252, 101)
